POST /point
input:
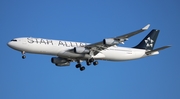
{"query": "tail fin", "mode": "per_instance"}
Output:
(149, 41)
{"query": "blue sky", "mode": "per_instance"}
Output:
(155, 77)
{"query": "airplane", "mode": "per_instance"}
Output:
(65, 52)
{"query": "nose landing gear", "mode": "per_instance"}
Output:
(23, 55)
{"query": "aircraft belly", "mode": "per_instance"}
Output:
(74, 55)
(122, 55)
(99, 56)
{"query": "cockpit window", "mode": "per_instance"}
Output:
(14, 40)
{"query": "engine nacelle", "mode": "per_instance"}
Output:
(63, 64)
(81, 50)
(60, 61)
(110, 41)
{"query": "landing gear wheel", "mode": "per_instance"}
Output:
(78, 65)
(82, 68)
(23, 57)
(88, 63)
(95, 63)
(91, 60)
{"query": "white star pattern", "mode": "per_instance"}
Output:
(149, 42)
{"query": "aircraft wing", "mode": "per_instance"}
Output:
(97, 47)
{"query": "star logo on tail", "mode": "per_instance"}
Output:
(149, 42)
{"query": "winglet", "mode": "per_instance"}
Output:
(146, 27)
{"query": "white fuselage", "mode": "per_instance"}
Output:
(64, 49)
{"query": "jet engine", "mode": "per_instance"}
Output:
(60, 61)
(110, 41)
(81, 50)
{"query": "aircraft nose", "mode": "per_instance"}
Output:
(9, 44)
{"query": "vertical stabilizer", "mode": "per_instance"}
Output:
(149, 41)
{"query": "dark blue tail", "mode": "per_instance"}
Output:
(149, 41)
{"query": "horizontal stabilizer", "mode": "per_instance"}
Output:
(158, 49)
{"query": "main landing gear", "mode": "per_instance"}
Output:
(80, 67)
(91, 60)
(23, 55)
(88, 62)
